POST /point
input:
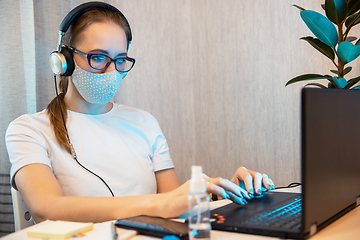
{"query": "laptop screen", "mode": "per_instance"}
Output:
(330, 154)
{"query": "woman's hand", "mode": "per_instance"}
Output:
(174, 203)
(227, 189)
(253, 182)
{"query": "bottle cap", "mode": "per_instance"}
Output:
(197, 182)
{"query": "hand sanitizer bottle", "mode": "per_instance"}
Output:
(198, 203)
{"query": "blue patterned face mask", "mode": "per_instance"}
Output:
(98, 88)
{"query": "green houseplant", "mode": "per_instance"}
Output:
(333, 40)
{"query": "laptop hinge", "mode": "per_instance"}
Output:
(358, 201)
(313, 229)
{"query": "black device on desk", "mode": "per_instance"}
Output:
(330, 173)
(154, 226)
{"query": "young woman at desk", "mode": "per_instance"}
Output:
(122, 145)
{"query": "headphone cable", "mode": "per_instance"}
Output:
(291, 185)
(71, 146)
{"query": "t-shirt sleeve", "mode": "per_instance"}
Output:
(161, 158)
(25, 145)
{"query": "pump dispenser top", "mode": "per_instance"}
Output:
(197, 182)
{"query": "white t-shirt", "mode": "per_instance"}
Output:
(124, 146)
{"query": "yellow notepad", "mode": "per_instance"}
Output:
(59, 230)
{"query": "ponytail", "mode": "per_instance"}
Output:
(54, 113)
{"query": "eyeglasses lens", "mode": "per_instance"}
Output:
(100, 62)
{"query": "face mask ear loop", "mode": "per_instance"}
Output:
(71, 146)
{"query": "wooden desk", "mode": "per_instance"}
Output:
(345, 228)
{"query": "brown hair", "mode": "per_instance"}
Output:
(81, 23)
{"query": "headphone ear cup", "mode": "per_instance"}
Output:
(62, 62)
(57, 62)
(67, 53)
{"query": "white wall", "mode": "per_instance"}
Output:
(213, 73)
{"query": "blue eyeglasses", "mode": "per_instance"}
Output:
(100, 61)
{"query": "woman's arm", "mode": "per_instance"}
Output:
(44, 198)
(166, 180)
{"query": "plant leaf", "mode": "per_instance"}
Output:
(352, 21)
(331, 85)
(350, 38)
(329, 77)
(321, 27)
(305, 77)
(357, 21)
(353, 6)
(301, 8)
(352, 82)
(336, 10)
(348, 52)
(320, 46)
(340, 82)
(315, 84)
(347, 70)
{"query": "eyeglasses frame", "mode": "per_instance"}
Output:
(88, 56)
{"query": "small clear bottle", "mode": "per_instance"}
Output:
(198, 203)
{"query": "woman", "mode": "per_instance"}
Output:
(123, 145)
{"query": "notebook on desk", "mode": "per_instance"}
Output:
(330, 173)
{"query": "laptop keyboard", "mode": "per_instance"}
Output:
(288, 216)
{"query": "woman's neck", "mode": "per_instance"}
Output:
(76, 103)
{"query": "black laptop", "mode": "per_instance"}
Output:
(330, 173)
